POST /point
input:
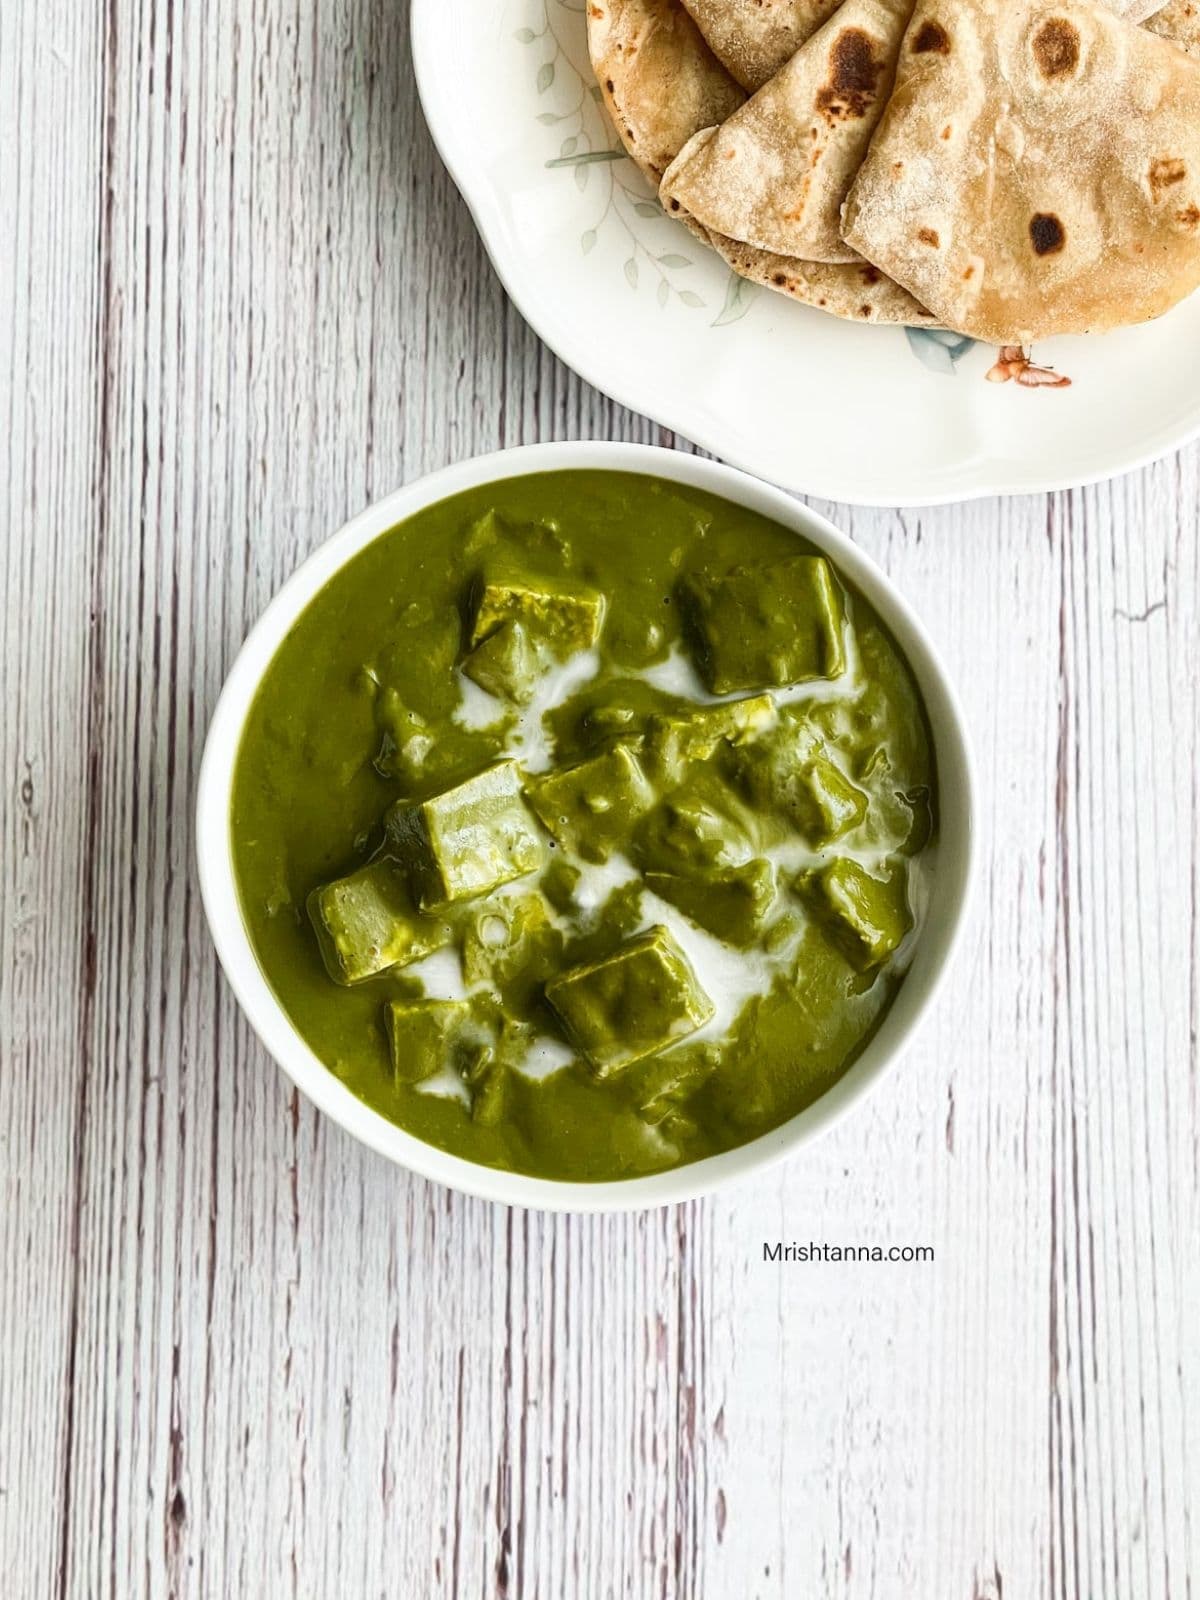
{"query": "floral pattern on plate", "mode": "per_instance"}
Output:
(589, 148)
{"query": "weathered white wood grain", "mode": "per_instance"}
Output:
(49, 424)
(238, 1355)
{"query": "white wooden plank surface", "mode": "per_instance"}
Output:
(238, 1355)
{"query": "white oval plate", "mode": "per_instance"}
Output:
(643, 311)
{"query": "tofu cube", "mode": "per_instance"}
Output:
(489, 1082)
(676, 738)
(733, 903)
(660, 1087)
(426, 1036)
(796, 776)
(765, 627)
(630, 1004)
(491, 1096)
(699, 827)
(558, 619)
(823, 803)
(591, 809)
(368, 923)
(864, 916)
(510, 947)
(505, 664)
(469, 839)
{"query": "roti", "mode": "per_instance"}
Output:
(855, 291)
(755, 37)
(1036, 172)
(661, 83)
(776, 173)
(659, 80)
(1179, 21)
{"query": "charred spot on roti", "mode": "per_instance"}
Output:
(929, 236)
(864, 311)
(1056, 47)
(871, 276)
(853, 76)
(1046, 233)
(1189, 217)
(1165, 173)
(931, 38)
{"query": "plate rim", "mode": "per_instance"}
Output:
(576, 356)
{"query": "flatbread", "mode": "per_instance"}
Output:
(659, 80)
(855, 291)
(661, 83)
(1134, 10)
(755, 37)
(1036, 172)
(1179, 21)
(776, 173)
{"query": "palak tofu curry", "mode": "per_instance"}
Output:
(583, 824)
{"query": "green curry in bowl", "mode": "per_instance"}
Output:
(583, 824)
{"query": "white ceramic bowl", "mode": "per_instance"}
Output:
(266, 1015)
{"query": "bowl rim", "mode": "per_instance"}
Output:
(935, 949)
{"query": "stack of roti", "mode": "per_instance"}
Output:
(1008, 169)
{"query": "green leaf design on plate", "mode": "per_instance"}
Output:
(691, 298)
(587, 158)
(584, 129)
(738, 295)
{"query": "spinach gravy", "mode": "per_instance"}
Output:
(583, 824)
